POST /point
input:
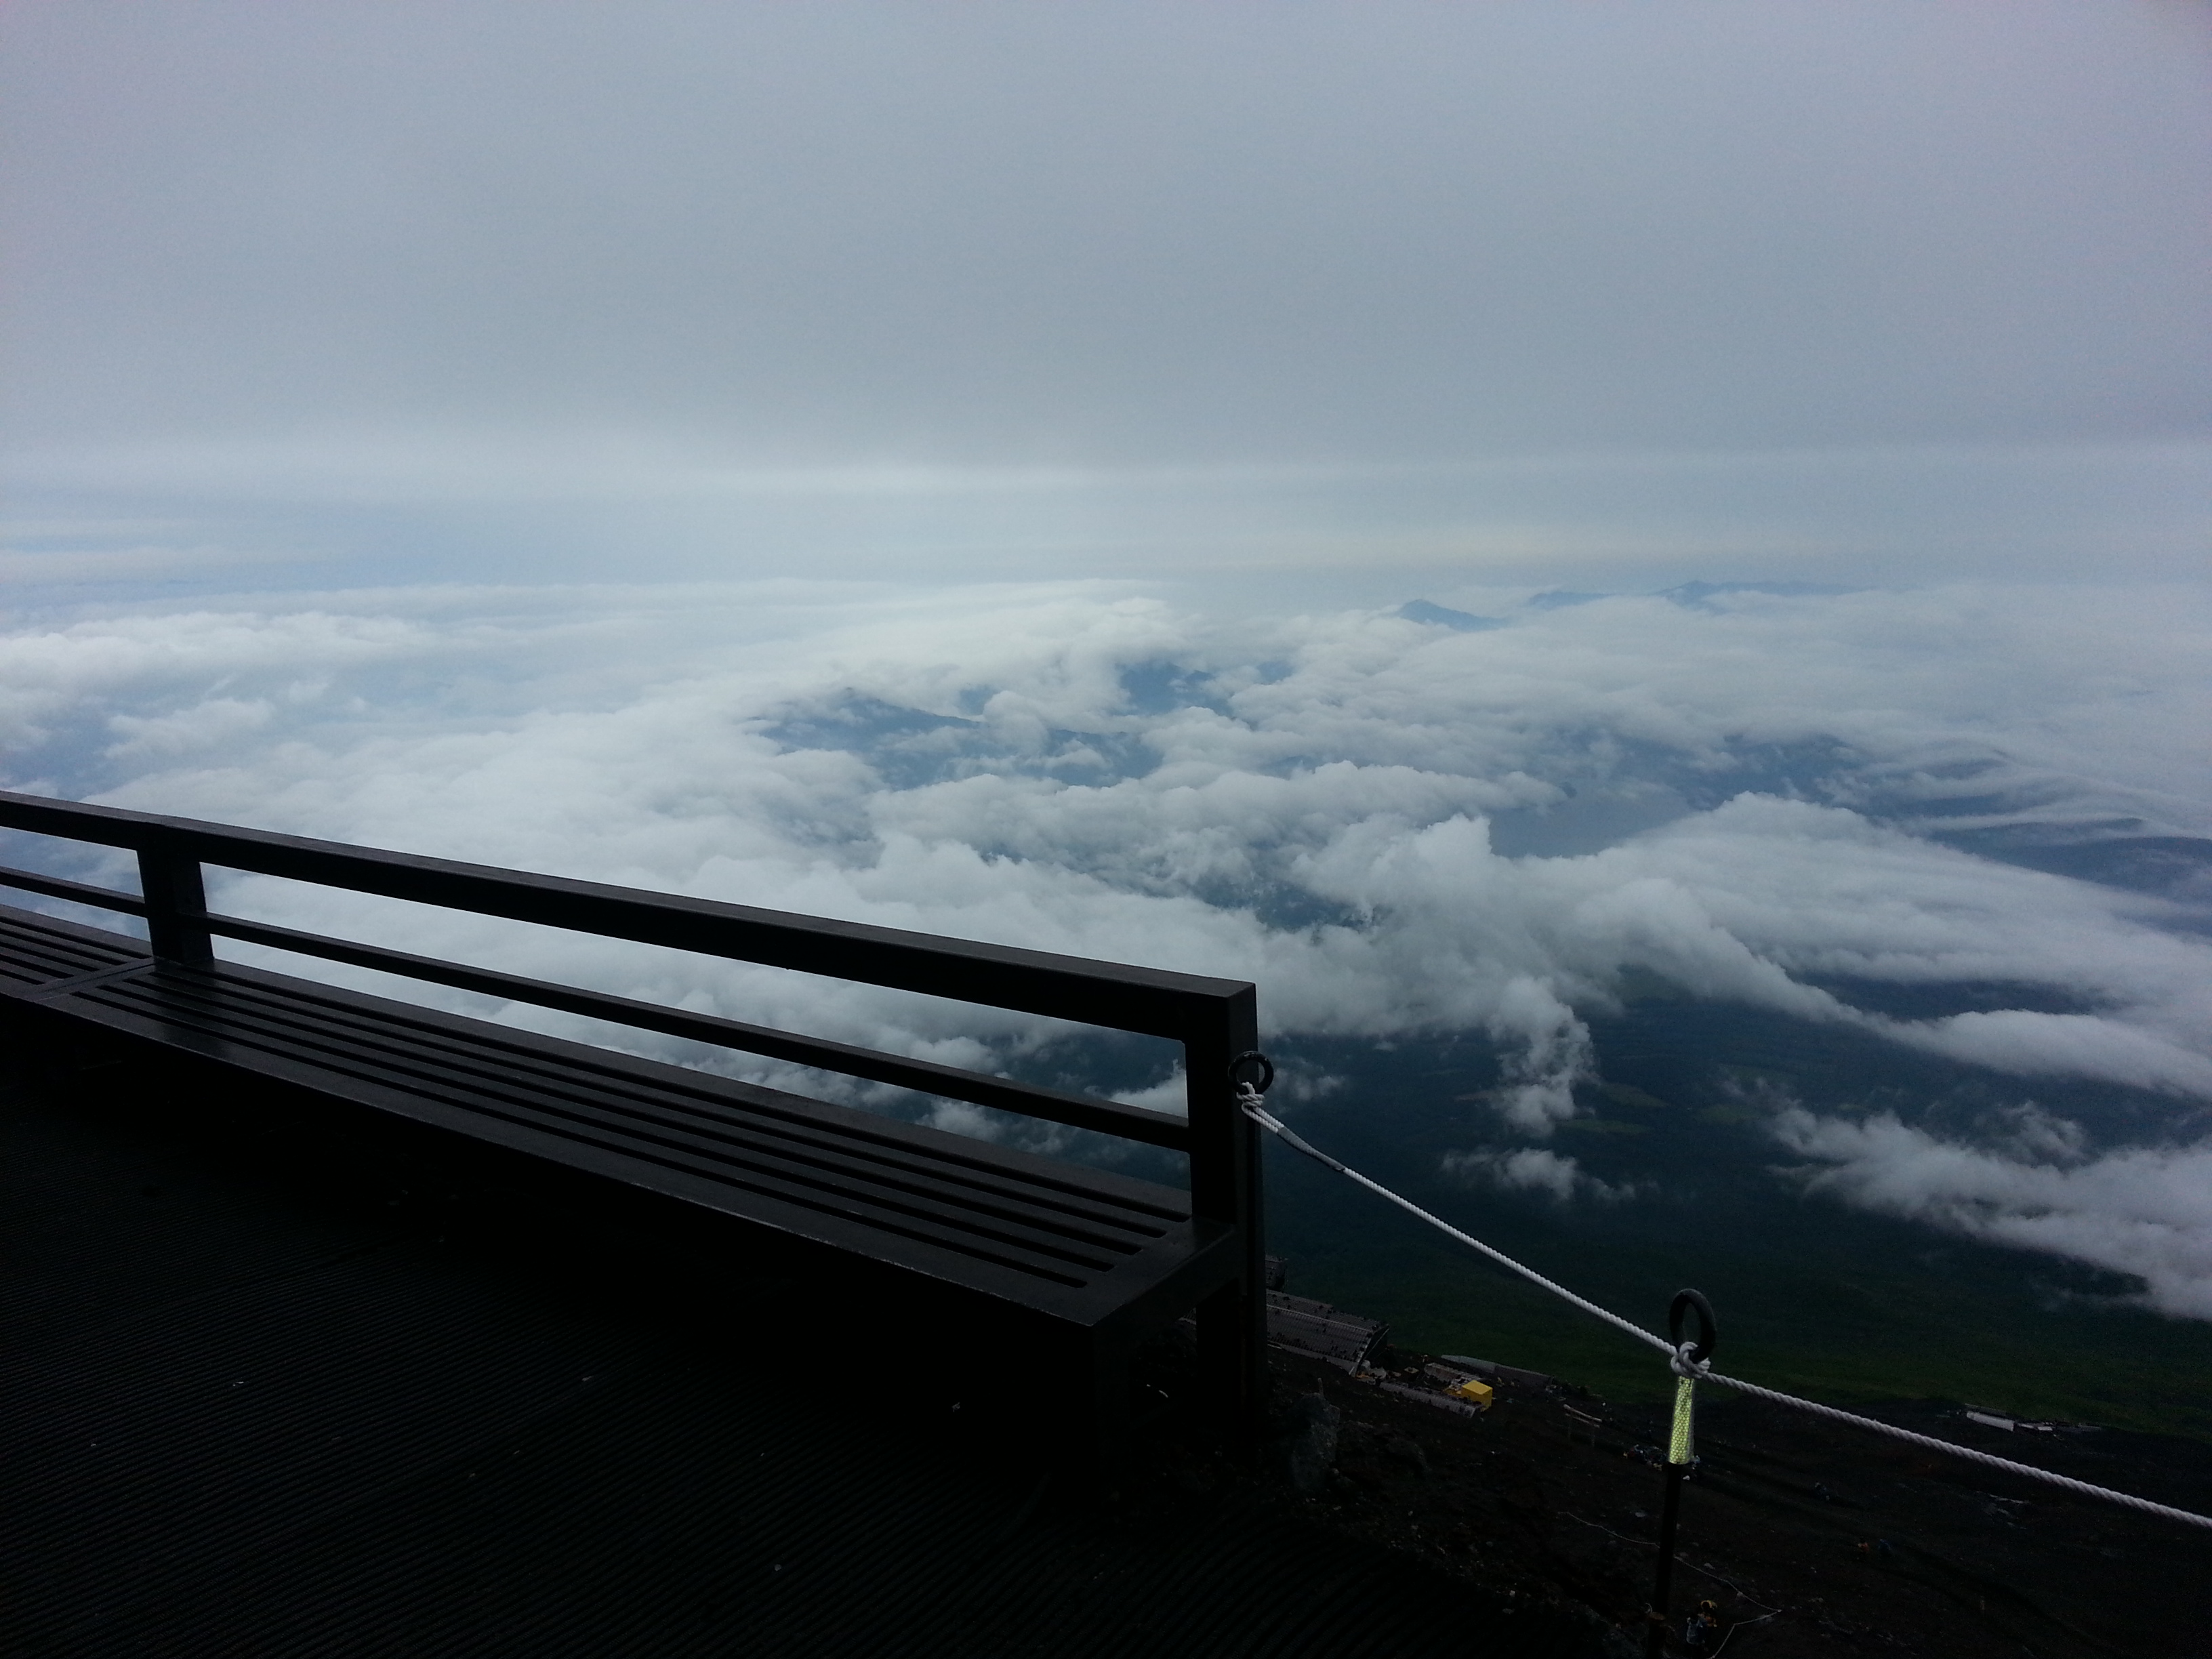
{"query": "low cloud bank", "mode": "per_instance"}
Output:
(2146, 1212)
(1394, 826)
(1533, 1169)
(1317, 803)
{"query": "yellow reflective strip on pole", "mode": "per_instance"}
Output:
(1678, 1448)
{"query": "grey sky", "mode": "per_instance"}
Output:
(277, 274)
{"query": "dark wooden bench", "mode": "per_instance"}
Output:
(1080, 1263)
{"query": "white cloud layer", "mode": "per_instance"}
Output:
(1533, 1169)
(2145, 1211)
(1391, 827)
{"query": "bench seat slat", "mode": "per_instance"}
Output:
(985, 1161)
(855, 1196)
(520, 1074)
(717, 1128)
(38, 949)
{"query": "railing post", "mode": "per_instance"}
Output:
(1225, 1186)
(169, 878)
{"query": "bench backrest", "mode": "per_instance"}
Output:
(1213, 1019)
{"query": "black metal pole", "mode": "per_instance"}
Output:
(1662, 1577)
(1690, 1360)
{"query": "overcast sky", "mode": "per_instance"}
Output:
(398, 290)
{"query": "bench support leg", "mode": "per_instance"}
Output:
(1102, 1449)
(174, 894)
(1231, 1350)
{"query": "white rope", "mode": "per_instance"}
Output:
(1275, 1125)
(1677, 1360)
(1992, 1461)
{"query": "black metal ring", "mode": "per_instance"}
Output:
(1709, 1330)
(1266, 1073)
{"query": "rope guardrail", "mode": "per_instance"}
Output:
(1690, 1362)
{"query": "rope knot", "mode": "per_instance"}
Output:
(1684, 1362)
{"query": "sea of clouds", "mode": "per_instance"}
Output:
(1489, 815)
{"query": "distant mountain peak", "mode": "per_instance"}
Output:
(1439, 616)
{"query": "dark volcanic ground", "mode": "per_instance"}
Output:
(1808, 1538)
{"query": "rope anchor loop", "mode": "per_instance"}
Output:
(1692, 1360)
(1251, 1074)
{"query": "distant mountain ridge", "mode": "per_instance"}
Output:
(1696, 596)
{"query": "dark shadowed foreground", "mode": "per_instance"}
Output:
(281, 1379)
